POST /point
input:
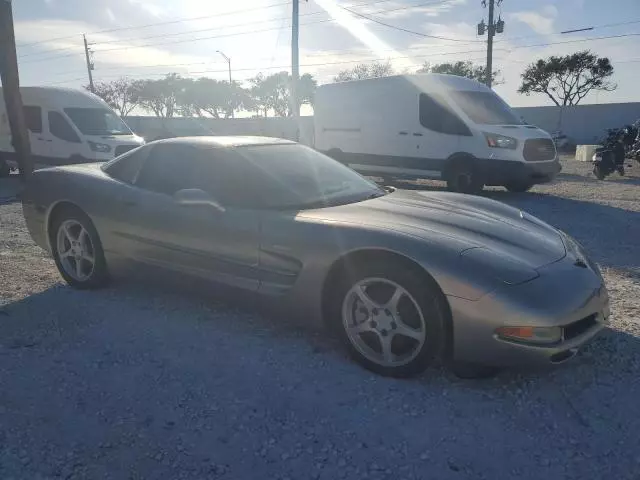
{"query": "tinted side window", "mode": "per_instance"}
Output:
(219, 172)
(33, 118)
(126, 167)
(436, 115)
(168, 169)
(59, 127)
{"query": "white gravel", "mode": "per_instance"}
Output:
(146, 381)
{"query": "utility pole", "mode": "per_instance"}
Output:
(11, 91)
(492, 28)
(89, 64)
(295, 68)
(228, 59)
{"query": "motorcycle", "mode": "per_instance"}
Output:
(610, 157)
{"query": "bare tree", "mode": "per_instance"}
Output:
(123, 95)
(365, 70)
(567, 80)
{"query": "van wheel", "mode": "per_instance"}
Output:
(5, 170)
(518, 187)
(463, 177)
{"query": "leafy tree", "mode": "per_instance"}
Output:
(272, 93)
(163, 97)
(209, 96)
(365, 70)
(567, 80)
(123, 95)
(462, 69)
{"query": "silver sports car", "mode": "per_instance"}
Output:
(402, 277)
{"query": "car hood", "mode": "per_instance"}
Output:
(464, 221)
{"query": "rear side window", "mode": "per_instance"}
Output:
(33, 118)
(437, 115)
(126, 167)
(60, 128)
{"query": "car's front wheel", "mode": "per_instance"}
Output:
(518, 187)
(391, 319)
(77, 250)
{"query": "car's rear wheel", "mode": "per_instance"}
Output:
(77, 250)
(463, 177)
(390, 319)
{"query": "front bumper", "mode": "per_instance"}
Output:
(564, 295)
(503, 172)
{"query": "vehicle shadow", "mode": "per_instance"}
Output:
(10, 188)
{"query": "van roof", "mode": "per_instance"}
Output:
(60, 96)
(423, 80)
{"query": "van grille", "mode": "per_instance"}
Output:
(539, 149)
(120, 149)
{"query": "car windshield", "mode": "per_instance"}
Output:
(299, 177)
(484, 108)
(97, 121)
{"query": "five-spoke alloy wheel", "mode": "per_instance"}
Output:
(77, 250)
(391, 319)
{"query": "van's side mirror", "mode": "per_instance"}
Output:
(195, 196)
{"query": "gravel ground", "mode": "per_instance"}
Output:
(144, 381)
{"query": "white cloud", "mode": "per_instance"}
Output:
(540, 22)
(152, 8)
(110, 15)
(400, 9)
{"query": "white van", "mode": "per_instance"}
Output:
(432, 126)
(66, 126)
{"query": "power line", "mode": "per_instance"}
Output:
(395, 27)
(407, 7)
(185, 19)
(239, 24)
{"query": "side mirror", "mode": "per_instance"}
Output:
(195, 196)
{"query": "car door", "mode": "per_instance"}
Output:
(195, 239)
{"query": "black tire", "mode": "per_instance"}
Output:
(99, 274)
(597, 171)
(5, 170)
(472, 371)
(517, 187)
(463, 177)
(426, 294)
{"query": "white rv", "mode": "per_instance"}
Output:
(66, 126)
(432, 126)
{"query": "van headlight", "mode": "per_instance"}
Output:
(99, 147)
(495, 140)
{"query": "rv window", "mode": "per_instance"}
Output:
(436, 115)
(59, 127)
(33, 118)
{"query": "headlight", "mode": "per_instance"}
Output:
(99, 147)
(509, 271)
(539, 335)
(495, 140)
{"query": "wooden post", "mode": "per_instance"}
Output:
(11, 91)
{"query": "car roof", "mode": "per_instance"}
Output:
(225, 141)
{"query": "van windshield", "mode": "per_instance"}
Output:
(485, 108)
(97, 121)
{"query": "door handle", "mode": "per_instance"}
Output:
(403, 133)
(128, 203)
(44, 139)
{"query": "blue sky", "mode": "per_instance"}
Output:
(148, 38)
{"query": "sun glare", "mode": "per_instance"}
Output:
(358, 29)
